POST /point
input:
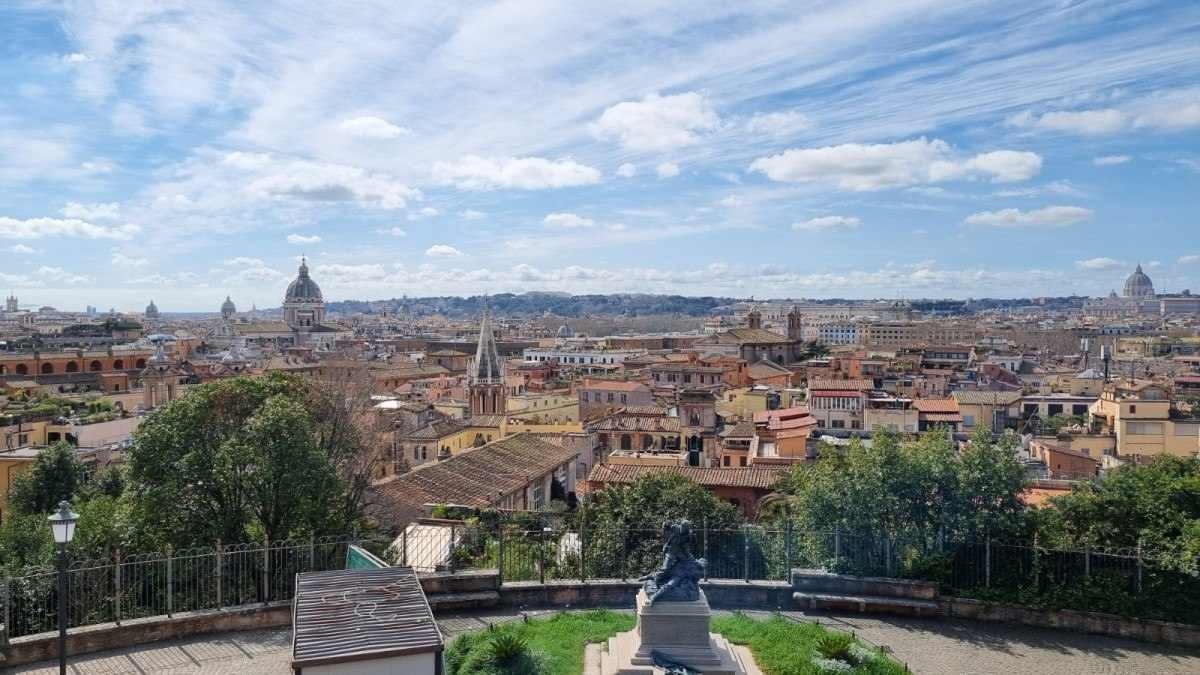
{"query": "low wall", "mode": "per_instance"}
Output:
(723, 594)
(1068, 619)
(105, 636)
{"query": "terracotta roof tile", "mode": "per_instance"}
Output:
(763, 478)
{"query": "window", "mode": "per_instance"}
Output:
(741, 461)
(1054, 409)
(1144, 428)
(624, 398)
(725, 460)
(1132, 409)
(1187, 429)
(968, 420)
(838, 424)
(610, 397)
(1079, 409)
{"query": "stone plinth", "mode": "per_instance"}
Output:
(675, 631)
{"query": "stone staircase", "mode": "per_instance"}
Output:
(818, 589)
(461, 591)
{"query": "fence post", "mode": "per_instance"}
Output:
(117, 587)
(1139, 565)
(582, 550)
(1037, 569)
(624, 553)
(887, 553)
(266, 573)
(7, 611)
(837, 545)
(499, 553)
(404, 547)
(312, 554)
(220, 575)
(987, 563)
(704, 534)
(1087, 560)
(787, 551)
(746, 553)
(453, 537)
(542, 557)
(170, 579)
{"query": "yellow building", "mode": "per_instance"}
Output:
(743, 402)
(1138, 414)
(543, 408)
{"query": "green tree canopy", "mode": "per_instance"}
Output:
(247, 458)
(650, 500)
(1155, 504)
(923, 488)
(54, 477)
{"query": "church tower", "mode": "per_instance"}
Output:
(487, 377)
(795, 325)
(754, 318)
(159, 380)
(10, 304)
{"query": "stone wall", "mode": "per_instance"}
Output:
(1081, 622)
(105, 636)
(723, 594)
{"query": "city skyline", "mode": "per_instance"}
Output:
(866, 150)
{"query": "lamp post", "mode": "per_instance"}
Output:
(62, 524)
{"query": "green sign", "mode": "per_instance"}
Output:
(359, 558)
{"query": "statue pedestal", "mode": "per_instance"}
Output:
(677, 632)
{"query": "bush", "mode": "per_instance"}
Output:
(835, 646)
(506, 648)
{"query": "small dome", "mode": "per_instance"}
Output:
(564, 331)
(1138, 285)
(303, 288)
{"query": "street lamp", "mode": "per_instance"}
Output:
(62, 524)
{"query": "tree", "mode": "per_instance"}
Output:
(1156, 505)
(245, 458)
(54, 477)
(623, 523)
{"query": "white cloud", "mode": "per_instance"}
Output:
(303, 180)
(121, 260)
(527, 173)
(781, 123)
(303, 239)
(920, 232)
(1111, 160)
(443, 251)
(667, 170)
(1093, 264)
(349, 275)
(76, 57)
(426, 212)
(36, 228)
(825, 223)
(861, 167)
(567, 221)
(243, 261)
(472, 214)
(61, 276)
(658, 123)
(373, 128)
(102, 211)
(1050, 216)
(393, 231)
(22, 249)
(1189, 259)
(1084, 122)
(1005, 166)
(627, 170)
(732, 201)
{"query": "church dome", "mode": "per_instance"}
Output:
(228, 309)
(564, 331)
(152, 309)
(303, 288)
(1138, 285)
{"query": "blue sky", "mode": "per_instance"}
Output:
(182, 151)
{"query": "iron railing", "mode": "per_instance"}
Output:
(123, 587)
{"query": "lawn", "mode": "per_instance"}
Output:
(554, 646)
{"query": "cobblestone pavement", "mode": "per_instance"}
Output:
(927, 646)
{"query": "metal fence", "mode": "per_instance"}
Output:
(162, 584)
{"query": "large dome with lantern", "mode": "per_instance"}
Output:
(303, 288)
(1138, 285)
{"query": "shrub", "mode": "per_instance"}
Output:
(506, 648)
(835, 646)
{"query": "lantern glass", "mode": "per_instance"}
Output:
(62, 523)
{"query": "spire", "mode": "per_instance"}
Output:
(488, 367)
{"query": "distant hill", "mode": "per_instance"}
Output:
(536, 304)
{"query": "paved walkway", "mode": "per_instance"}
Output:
(927, 646)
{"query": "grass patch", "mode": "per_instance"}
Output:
(785, 647)
(554, 646)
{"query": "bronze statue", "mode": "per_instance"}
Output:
(679, 576)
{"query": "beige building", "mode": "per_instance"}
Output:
(1139, 415)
